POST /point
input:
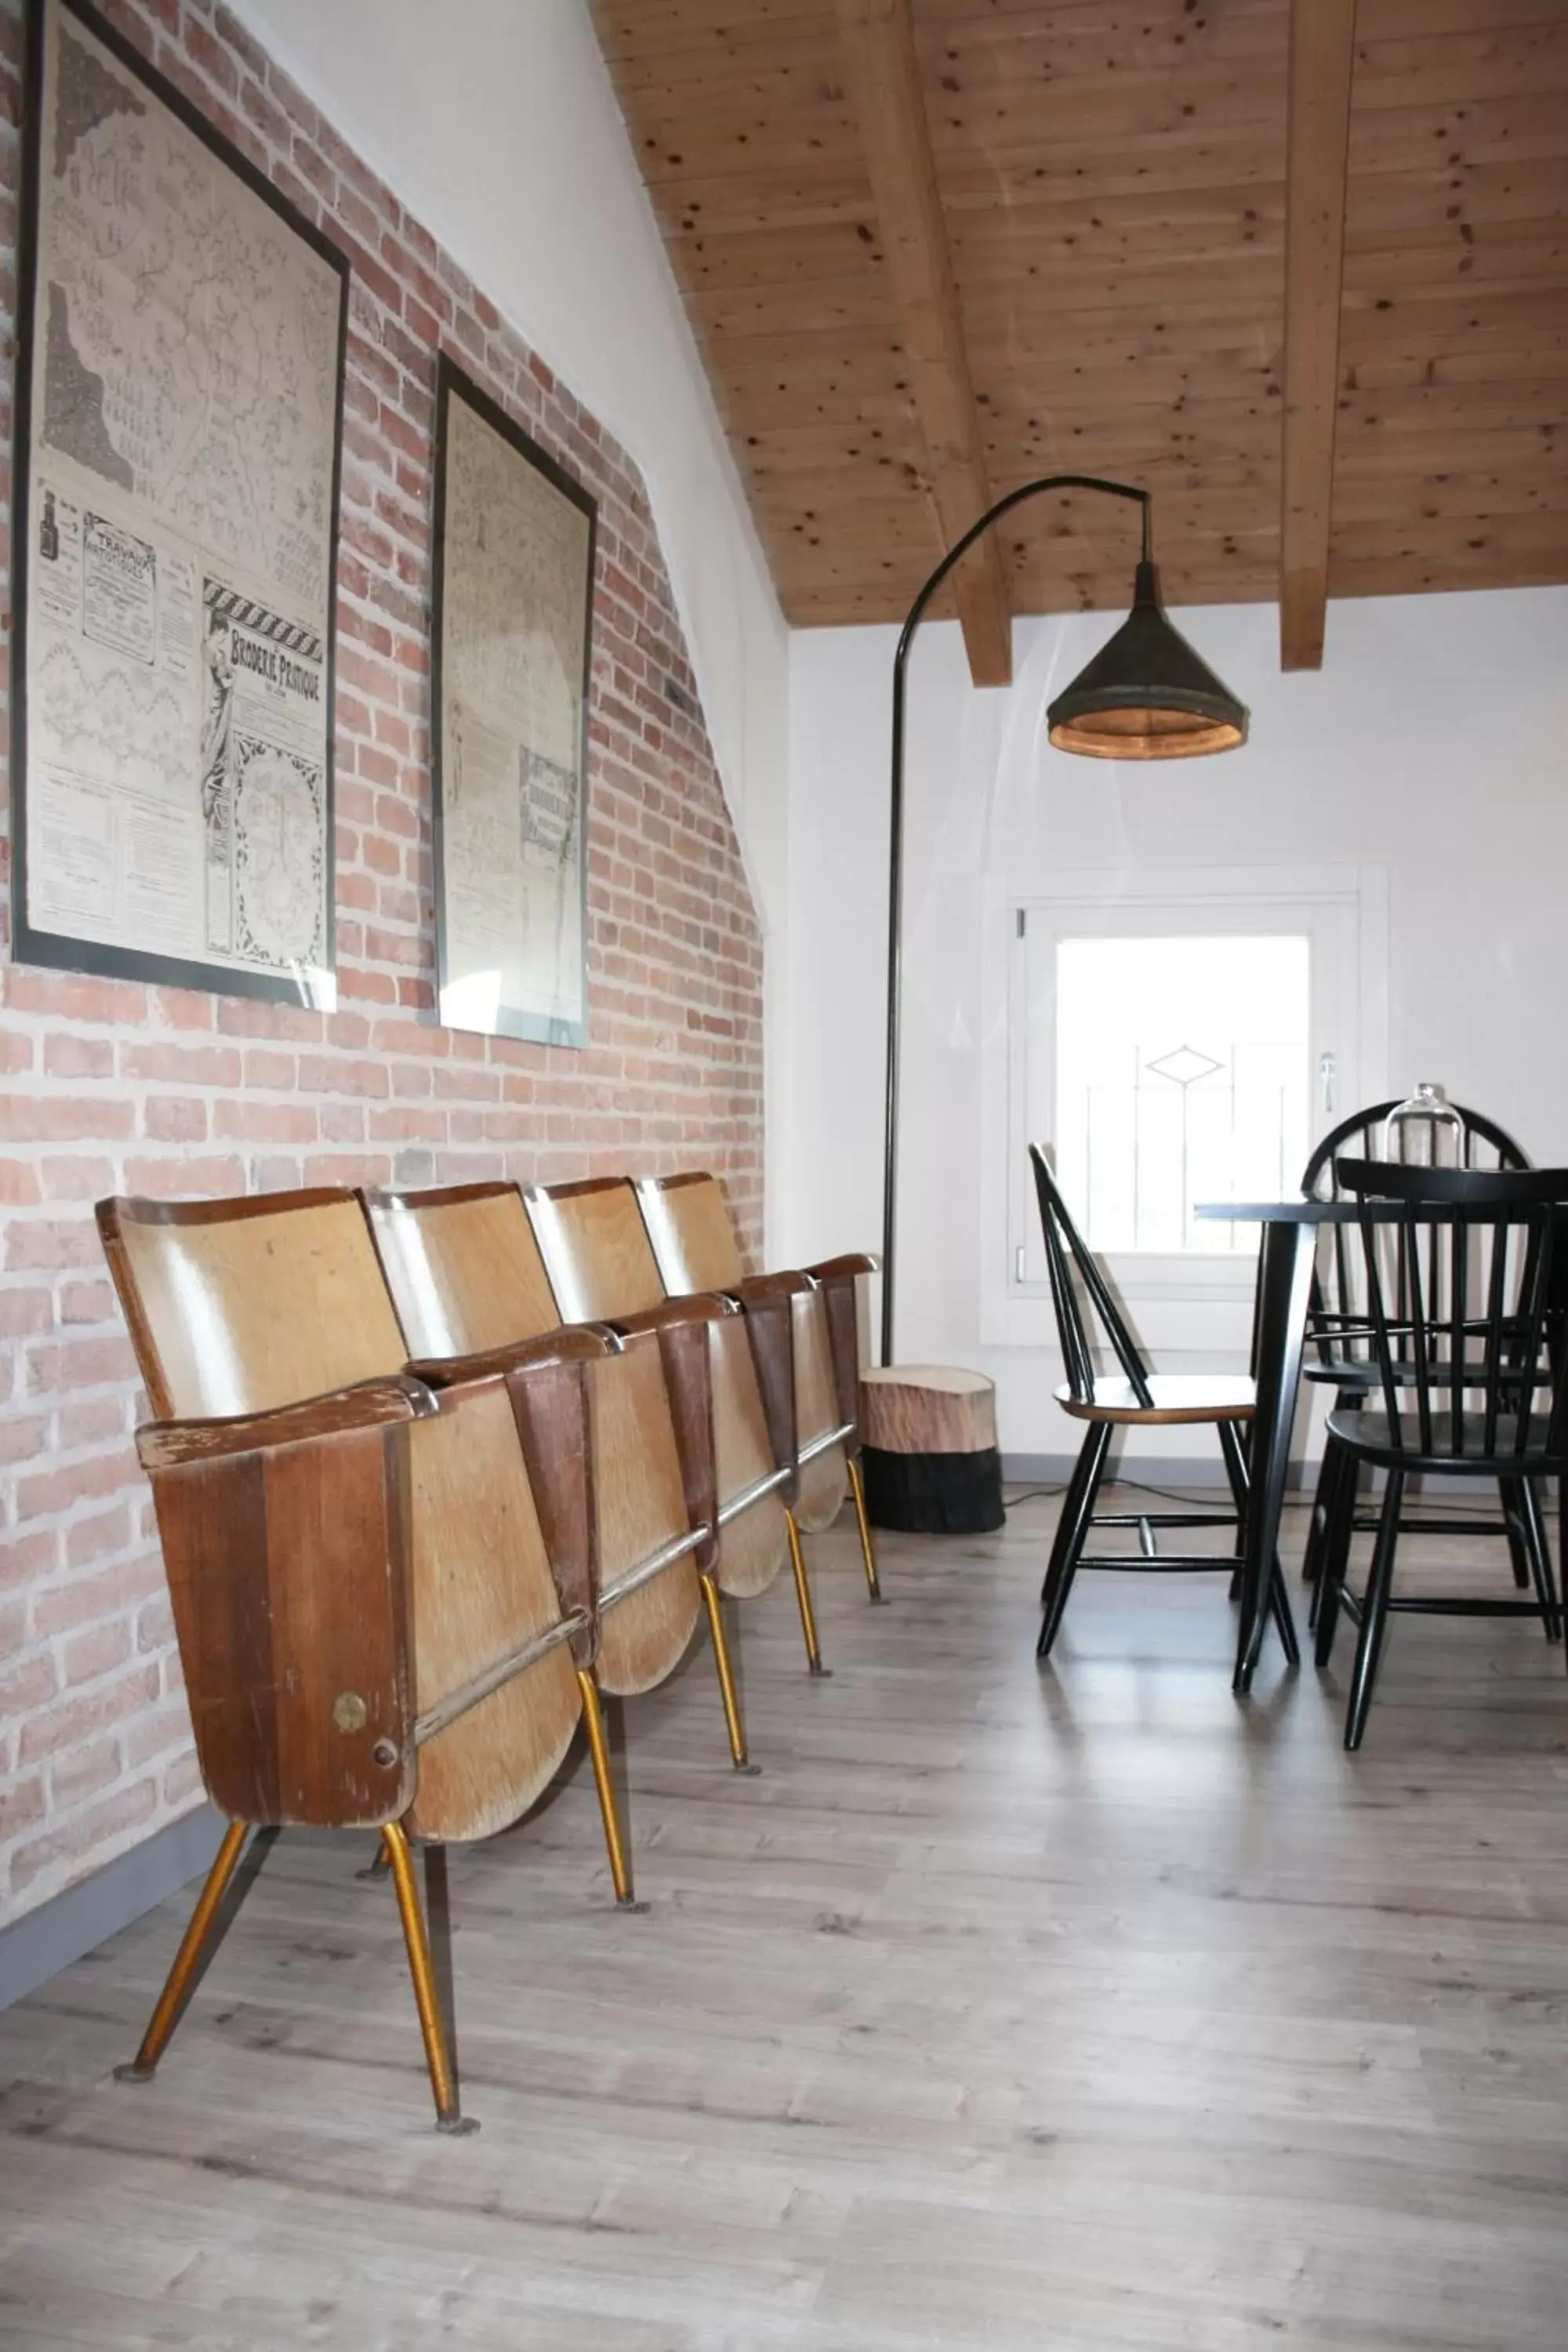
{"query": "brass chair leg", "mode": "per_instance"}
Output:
(802, 1594)
(599, 1755)
(177, 1984)
(450, 2117)
(858, 1488)
(713, 1601)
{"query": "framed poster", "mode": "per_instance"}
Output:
(179, 420)
(513, 615)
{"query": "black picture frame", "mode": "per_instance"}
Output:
(453, 382)
(60, 950)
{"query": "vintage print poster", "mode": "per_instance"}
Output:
(177, 547)
(513, 597)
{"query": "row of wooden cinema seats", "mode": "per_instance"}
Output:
(435, 1471)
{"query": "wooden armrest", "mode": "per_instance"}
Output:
(367, 1404)
(677, 1314)
(574, 1343)
(761, 1289)
(857, 1262)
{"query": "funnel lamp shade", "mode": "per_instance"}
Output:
(1146, 695)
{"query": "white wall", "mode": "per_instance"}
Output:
(495, 124)
(1432, 742)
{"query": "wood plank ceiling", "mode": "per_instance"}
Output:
(1112, 178)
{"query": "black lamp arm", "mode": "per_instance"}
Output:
(959, 549)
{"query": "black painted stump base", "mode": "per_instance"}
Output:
(930, 1458)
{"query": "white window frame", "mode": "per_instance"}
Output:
(1181, 1303)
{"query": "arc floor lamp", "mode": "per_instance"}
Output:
(1145, 696)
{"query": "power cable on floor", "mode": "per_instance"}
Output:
(1299, 1501)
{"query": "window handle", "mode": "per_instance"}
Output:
(1328, 1071)
(1018, 1263)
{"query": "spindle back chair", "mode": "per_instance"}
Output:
(1464, 1274)
(1339, 1338)
(1088, 1319)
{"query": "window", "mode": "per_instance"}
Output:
(1174, 1037)
(1182, 1075)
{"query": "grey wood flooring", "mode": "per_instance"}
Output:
(1078, 2007)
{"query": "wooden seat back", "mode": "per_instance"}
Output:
(242, 1305)
(595, 1248)
(689, 1228)
(467, 1277)
(463, 1268)
(694, 1241)
(601, 1265)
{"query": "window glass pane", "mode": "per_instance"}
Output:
(1182, 1076)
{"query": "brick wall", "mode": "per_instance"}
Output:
(108, 1087)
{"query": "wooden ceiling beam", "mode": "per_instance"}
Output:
(1322, 43)
(885, 83)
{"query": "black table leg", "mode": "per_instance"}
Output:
(1284, 1290)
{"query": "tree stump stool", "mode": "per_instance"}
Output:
(930, 1458)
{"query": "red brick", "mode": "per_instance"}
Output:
(21, 1805)
(169, 1179)
(54, 1365)
(24, 1558)
(267, 1122)
(183, 1783)
(50, 1242)
(67, 1056)
(96, 1652)
(186, 1065)
(160, 1733)
(72, 997)
(90, 1421)
(54, 1118)
(29, 1682)
(24, 1313)
(70, 1719)
(175, 1119)
(22, 1441)
(71, 1178)
(83, 1773)
(48, 1491)
(86, 1302)
(211, 59)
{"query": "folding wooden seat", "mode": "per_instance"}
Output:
(602, 1268)
(467, 1279)
(367, 1586)
(687, 1223)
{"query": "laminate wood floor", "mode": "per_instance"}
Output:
(1079, 2007)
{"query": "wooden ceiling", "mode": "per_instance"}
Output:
(1108, 182)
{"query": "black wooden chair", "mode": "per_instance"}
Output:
(1131, 1396)
(1339, 1337)
(1464, 1289)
